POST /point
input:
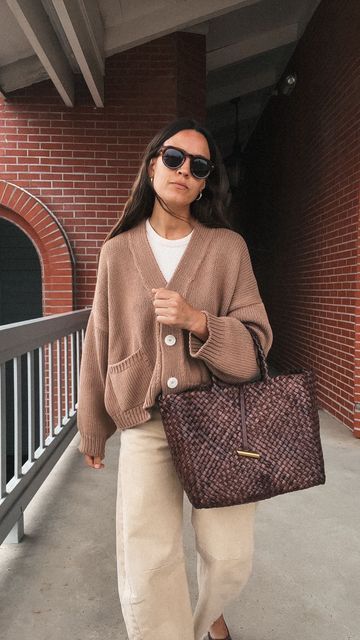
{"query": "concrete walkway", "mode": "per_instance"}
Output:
(60, 581)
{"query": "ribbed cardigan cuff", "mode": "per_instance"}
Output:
(213, 347)
(226, 340)
(92, 445)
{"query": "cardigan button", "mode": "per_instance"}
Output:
(172, 382)
(170, 340)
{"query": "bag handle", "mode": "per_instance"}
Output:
(264, 371)
(260, 357)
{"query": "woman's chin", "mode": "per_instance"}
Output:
(178, 200)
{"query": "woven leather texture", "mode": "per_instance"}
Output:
(206, 427)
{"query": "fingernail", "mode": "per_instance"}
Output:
(97, 466)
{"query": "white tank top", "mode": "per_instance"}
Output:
(167, 252)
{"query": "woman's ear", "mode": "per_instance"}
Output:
(151, 168)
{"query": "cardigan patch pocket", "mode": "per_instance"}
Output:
(129, 381)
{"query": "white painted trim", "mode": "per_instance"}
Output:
(229, 91)
(76, 22)
(22, 73)
(37, 27)
(160, 22)
(244, 49)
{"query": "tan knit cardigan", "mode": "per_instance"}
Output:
(126, 360)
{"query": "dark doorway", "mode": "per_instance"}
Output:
(20, 299)
(20, 276)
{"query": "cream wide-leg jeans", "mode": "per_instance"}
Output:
(152, 580)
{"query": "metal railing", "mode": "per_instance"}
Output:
(37, 412)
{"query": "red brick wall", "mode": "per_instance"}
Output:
(304, 198)
(81, 162)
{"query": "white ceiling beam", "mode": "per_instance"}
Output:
(244, 49)
(160, 22)
(37, 27)
(202, 27)
(227, 92)
(77, 18)
(22, 73)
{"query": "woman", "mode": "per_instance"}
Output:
(174, 284)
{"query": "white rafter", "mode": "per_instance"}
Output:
(81, 22)
(36, 25)
(250, 47)
(162, 21)
(22, 73)
(227, 92)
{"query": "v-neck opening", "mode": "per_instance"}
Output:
(187, 266)
(167, 242)
(181, 261)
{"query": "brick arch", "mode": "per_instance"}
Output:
(50, 241)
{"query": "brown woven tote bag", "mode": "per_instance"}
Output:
(238, 443)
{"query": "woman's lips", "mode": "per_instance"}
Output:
(179, 186)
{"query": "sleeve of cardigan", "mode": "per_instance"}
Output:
(93, 422)
(229, 351)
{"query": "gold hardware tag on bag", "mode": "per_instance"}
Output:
(248, 454)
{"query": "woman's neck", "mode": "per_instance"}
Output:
(167, 226)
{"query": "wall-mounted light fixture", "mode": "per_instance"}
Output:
(286, 84)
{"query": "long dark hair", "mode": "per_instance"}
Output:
(210, 210)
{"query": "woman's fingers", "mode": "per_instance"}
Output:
(93, 461)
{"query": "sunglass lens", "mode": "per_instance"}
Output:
(173, 158)
(200, 168)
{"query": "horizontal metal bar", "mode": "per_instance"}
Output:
(19, 337)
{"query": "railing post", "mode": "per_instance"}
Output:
(16, 534)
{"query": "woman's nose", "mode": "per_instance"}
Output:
(185, 167)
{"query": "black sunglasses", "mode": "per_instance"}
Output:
(173, 158)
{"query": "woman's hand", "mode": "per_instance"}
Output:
(173, 310)
(93, 461)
